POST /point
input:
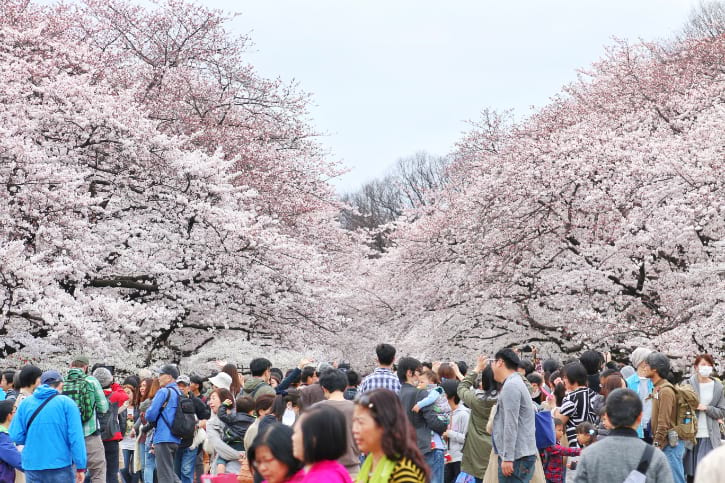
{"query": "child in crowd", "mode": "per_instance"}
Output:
(586, 434)
(437, 398)
(236, 425)
(553, 458)
(9, 454)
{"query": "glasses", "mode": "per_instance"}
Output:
(257, 463)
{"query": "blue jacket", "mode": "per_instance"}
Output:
(162, 434)
(9, 457)
(633, 384)
(55, 439)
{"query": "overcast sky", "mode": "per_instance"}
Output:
(392, 77)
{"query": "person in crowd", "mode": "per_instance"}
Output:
(428, 381)
(537, 384)
(313, 393)
(425, 421)
(128, 443)
(271, 455)
(712, 467)
(263, 407)
(196, 386)
(383, 376)
(554, 468)
(549, 366)
(162, 413)
(258, 384)
(353, 381)
(710, 410)
(642, 385)
(526, 367)
(221, 380)
(457, 429)
(88, 395)
(513, 425)
(319, 440)
(618, 455)
(285, 386)
(308, 376)
(237, 382)
(147, 390)
(477, 446)
(10, 459)
(586, 434)
(49, 425)
(445, 372)
(28, 380)
(236, 424)
(110, 428)
(7, 380)
(383, 432)
(333, 384)
(186, 454)
(576, 407)
(664, 414)
(215, 445)
(592, 362)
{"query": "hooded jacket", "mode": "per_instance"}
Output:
(162, 433)
(255, 387)
(55, 439)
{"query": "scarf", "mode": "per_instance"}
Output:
(382, 472)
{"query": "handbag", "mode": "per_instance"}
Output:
(245, 474)
(545, 432)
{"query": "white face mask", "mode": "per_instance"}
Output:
(705, 371)
(536, 394)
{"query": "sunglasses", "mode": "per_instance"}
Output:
(364, 401)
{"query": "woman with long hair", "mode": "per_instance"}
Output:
(381, 428)
(237, 382)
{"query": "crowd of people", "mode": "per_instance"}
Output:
(507, 418)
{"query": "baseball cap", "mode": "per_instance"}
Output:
(50, 377)
(183, 379)
(169, 369)
(82, 358)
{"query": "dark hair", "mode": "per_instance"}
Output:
(704, 357)
(575, 373)
(198, 380)
(236, 386)
(586, 427)
(264, 402)
(406, 364)
(592, 361)
(6, 408)
(606, 372)
(558, 422)
(445, 371)
(527, 366)
(28, 375)
(223, 394)
(245, 404)
(463, 367)
(535, 378)
(551, 365)
(385, 353)
(9, 376)
(559, 393)
(509, 358)
(623, 408)
(427, 365)
(278, 372)
(614, 381)
(334, 380)
(324, 434)
(488, 382)
(258, 366)
(399, 437)
(307, 373)
(450, 387)
(16, 381)
(278, 438)
(353, 378)
(279, 406)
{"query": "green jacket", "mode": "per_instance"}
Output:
(101, 406)
(477, 448)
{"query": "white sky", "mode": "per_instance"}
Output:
(392, 77)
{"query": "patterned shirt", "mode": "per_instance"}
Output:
(554, 461)
(406, 471)
(101, 404)
(381, 378)
(577, 406)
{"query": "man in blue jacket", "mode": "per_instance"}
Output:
(53, 440)
(162, 412)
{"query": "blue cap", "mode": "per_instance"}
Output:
(50, 377)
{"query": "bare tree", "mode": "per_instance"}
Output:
(707, 20)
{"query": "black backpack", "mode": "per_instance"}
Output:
(108, 422)
(184, 423)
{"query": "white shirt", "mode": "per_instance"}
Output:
(706, 392)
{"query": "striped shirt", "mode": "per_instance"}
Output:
(406, 471)
(577, 406)
(381, 378)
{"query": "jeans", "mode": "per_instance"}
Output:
(57, 475)
(149, 467)
(675, 455)
(111, 451)
(184, 464)
(435, 461)
(165, 455)
(126, 473)
(523, 470)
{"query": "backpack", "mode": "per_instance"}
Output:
(108, 422)
(184, 423)
(82, 393)
(686, 402)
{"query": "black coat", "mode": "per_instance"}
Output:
(423, 421)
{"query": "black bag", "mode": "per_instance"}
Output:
(184, 423)
(108, 422)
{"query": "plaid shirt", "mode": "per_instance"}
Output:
(554, 461)
(101, 405)
(381, 378)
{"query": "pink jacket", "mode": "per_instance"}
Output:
(327, 472)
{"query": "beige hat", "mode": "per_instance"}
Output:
(222, 380)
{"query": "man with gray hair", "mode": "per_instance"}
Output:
(642, 385)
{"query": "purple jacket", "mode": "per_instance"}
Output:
(9, 458)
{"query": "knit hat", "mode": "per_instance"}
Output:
(660, 363)
(104, 376)
(322, 367)
(639, 356)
